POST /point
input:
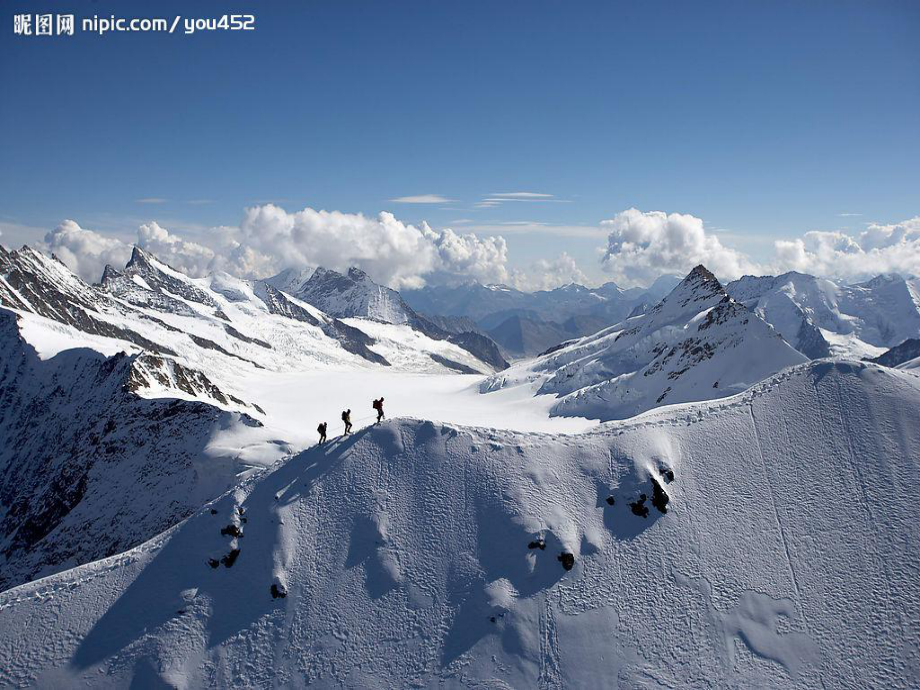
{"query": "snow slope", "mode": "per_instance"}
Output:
(400, 557)
(696, 344)
(821, 318)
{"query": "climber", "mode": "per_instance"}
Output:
(322, 432)
(346, 417)
(378, 405)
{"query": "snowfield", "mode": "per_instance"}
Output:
(400, 557)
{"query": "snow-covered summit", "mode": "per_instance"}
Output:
(696, 344)
(353, 295)
(821, 318)
(356, 295)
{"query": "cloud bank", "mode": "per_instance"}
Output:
(641, 245)
(547, 275)
(392, 252)
(86, 252)
(644, 245)
(878, 249)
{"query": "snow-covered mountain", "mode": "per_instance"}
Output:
(219, 324)
(355, 295)
(478, 301)
(525, 324)
(114, 396)
(820, 318)
(696, 344)
(88, 466)
(424, 555)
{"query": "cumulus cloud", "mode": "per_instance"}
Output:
(399, 254)
(192, 259)
(642, 245)
(878, 249)
(86, 252)
(547, 275)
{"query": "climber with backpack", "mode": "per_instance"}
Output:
(378, 405)
(346, 417)
(322, 432)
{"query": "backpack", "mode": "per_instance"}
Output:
(345, 416)
(321, 428)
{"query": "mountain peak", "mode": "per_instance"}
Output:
(701, 273)
(109, 274)
(358, 275)
(139, 259)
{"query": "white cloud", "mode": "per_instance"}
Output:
(878, 249)
(390, 251)
(640, 247)
(422, 199)
(644, 245)
(522, 195)
(151, 200)
(86, 252)
(546, 275)
(189, 257)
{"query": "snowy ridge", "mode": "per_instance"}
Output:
(411, 555)
(696, 344)
(219, 325)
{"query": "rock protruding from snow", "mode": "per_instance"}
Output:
(899, 354)
(696, 344)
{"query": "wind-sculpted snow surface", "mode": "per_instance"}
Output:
(87, 467)
(422, 555)
(696, 344)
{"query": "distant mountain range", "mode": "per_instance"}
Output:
(527, 323)
(821, 318)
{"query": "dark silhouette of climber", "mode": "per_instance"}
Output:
(322, 432)
(346, 417)
(378, 405)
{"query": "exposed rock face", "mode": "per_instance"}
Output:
(906, 351)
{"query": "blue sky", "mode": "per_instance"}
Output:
(764, 119)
